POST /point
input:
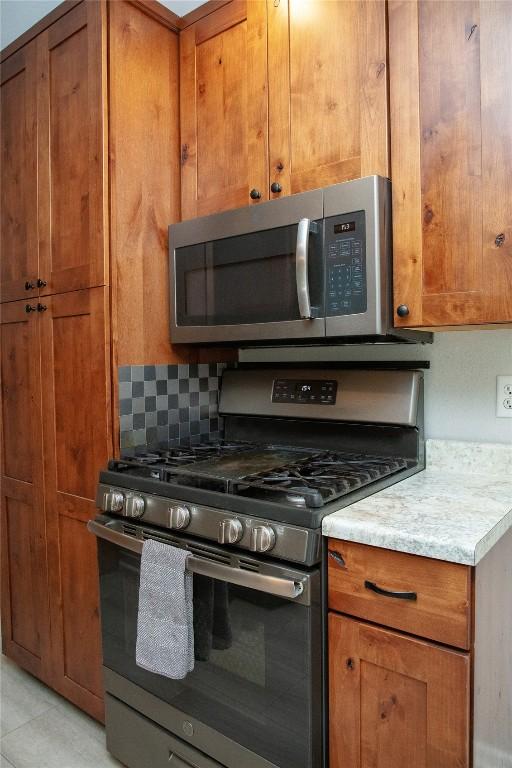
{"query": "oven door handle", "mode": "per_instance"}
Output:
(272, 585)
(301, 269)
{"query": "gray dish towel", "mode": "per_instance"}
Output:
(165, 628)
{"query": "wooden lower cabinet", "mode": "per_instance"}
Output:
(395, 701)
(77, 444)
(56, 430)
(25, 624)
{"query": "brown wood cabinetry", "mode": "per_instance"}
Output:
(395, 701)
(25, 625)
(19, 266)
(322, 78)
(398, 700)
(71, 158)
(223, 78)
(77, 444)
(328, 111)
(451, 137)
(59, 359)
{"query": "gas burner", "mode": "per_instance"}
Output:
(320, 480)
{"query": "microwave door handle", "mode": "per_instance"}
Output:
(272, 585)
(301, 269)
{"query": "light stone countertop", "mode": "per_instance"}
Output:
(454, 510)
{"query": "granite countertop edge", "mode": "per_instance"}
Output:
(460, 538)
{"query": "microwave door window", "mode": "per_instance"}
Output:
(242, 280)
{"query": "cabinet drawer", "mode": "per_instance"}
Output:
(435, 599)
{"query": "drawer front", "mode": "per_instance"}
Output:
(425, 597)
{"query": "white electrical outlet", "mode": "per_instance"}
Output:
(504, 397)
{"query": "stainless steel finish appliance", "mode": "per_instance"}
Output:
(312, 266)
(298, 444)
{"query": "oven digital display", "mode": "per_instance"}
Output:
(313, 391)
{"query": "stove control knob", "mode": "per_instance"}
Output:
(179, 517)
(263, 538)
(230, 531)
(113, 501)
(134, 506)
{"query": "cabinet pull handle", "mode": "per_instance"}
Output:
(42, 307)
(387, 593)
(41, 283)
(337, 558)
(29, 308)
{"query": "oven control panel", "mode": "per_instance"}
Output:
(345, 249)
(312, 391)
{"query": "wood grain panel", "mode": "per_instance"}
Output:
(495, 36)
(25, 626)
(145, 183)
(404, 86)
(394, 701)
(327, 92)
(18, 194)
(451, 165)
(451, 129)
(82, 645)
(442, 610)
(72, 156)
(224, 109)
(77, 429)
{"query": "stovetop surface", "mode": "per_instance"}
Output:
(291, 477)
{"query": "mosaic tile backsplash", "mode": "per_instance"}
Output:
(160, 404)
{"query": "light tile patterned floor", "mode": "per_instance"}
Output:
(39, 729)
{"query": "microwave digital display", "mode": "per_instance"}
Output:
(347, 226)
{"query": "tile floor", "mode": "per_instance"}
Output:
(39, 729)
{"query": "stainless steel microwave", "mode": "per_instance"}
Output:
(314, 266)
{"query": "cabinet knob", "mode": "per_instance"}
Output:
(499, 240)
(275, 187)
(42, 307)
(41, 283)
(255, 194)
(402, 310)
(29, 286)
(29, 308)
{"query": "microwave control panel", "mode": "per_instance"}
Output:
(345, 248)
(314, 391)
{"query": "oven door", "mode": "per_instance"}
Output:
(251, 274)
(254, 698)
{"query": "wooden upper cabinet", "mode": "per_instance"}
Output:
(328, 111)
(72, 157)
(25, 627)
(394, 701)
(451, 129)
(18, 196)
(223, 104)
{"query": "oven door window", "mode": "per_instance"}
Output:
(246, 279)
(256, 678)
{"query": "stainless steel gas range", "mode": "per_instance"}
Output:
(298, 445)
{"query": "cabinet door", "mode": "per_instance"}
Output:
(18, 195)
(451, 136)
(394, 701)
(223, 86)
(72, 157)
(25, 629)
(77, 429)
(327, 92)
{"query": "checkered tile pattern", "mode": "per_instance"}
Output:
(162, 404)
